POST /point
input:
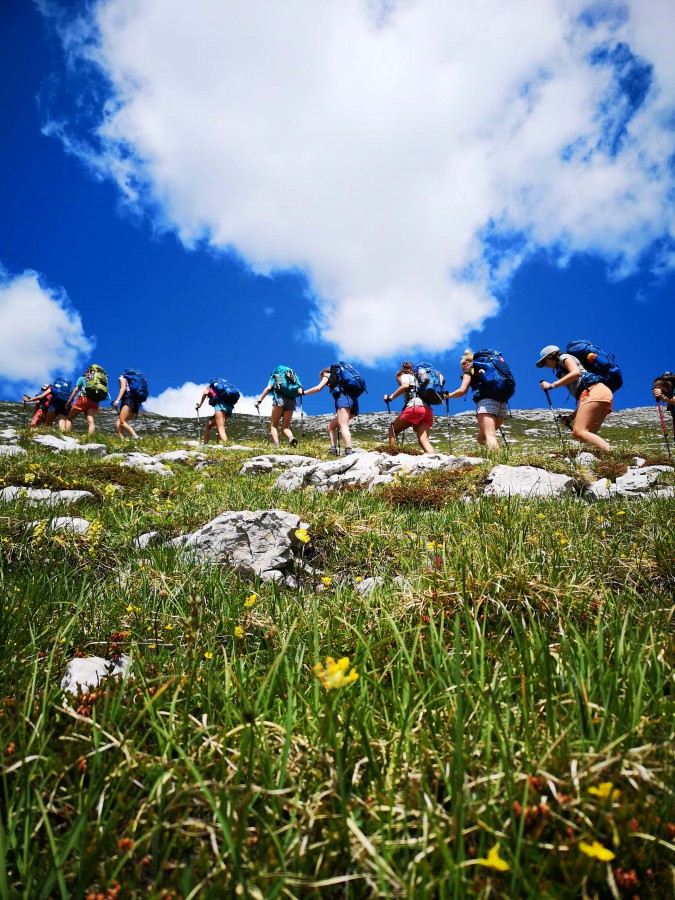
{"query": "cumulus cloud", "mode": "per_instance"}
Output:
(180, 402)
(41, 334)
(407, 156)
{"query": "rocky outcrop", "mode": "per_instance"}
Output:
(11, 450)
(82, 674)
(69, 524)
(637, 483)
(526, 481)
(35, 496)
(260, 543)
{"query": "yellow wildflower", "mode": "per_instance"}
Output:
(621, 512)
(327, 580)
(605, 791)
(494, 861)
(596, 851)
(250, 601)
(334, 674)
(302, 535)
(431, 545)
(238, 631)
(208, 655)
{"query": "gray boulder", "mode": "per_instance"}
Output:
(260, 542)
(260, 465)
(146, 463)
(61, 444)
(11, 450)
(526, 481)
(66, 523)
(145, 540)
(42, 495)
(86, 673)
(99, 450)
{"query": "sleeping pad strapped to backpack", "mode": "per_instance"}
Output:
(96, 384)
(222, 392)
(286, 382)
(429, 383)
(598, 363)
(491, 377)
(137, 385)
(345, 379)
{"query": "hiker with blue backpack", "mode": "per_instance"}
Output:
(285, 387)
(132, 393)
(346, 386)
(591, 376)
(422, 387)
(222, 397)
(488, 373)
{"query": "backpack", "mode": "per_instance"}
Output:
(286, 382)
(429, 383)
(346, 380)
(95, 384)
(221, 391)
(496, 381)
(62, 388)
(137, 385)
(598, 363)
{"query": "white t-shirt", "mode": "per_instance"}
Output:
(410, 401)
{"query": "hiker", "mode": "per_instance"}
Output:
(346, 386)
(222, 396)
(285, 386)
(41, 401)
(133, 392)
(663, 390)
(92, 387)
(593, 398)
(416, 414)
(490, 411)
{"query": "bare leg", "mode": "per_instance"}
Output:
(220, 425)
(123, 423)
(207, 430)
(487, 430)
(274, 424)
(332, 428)
(72, 415)
(397, 426)
(422, 432)
(91, 426)
(587, 422)
(343, 417)
(286, 424)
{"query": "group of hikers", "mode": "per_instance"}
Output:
(591, 376)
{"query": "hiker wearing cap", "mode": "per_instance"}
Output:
(346, 405)
(490, 413)
(416, 414)
(41, 401)
(285, 387)
(593, 398)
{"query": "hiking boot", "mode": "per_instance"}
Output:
(294, 442)
(349, 451)
(332, 451)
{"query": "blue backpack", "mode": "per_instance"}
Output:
(429, 383)
(137, 385)
(491, 377)
(286, 382)
(598, 363)
(221, 391)
(62, 388)
(346, 380)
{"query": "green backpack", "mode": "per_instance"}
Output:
(96, 384)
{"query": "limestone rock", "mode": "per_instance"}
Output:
(70, 524)
(34, 496)
(146, 463)
(82, 674)
(11, 450)
(259, 542)
(99, 450)
(260, 465)
(145, 540)
(526, 481)
(61, 444)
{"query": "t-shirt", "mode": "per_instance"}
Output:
(411, 398)
(574, 387)
(81, 383)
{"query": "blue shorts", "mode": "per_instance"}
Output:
(344, 401)
(134, 405)
(58, 406)
(223, 408)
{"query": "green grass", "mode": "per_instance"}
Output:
(523, 662)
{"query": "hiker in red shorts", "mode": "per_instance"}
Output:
(416, 414)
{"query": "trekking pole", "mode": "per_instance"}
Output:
(145, 418)
(338, 442)
(557, 423)
(25, 417)
(199, 427)
(664, 428)
(447, 416)
(262, 427)
(302, 418)
(506, 443)
(391, 421)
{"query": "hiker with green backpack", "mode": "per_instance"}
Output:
(92, 388)
(285, 387)
(132, 393)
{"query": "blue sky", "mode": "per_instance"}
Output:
(214, 191)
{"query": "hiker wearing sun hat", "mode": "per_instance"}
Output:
(593, 398)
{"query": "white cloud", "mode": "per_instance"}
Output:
(41, 334)
(180, 403)
(376, 145)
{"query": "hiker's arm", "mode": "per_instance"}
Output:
(317, 387)
(70, 399)
(401, 389)
(123, 390)
(462, 389)
(204, 396)
(660, 397)
(36, 398)
(263, 395)
(573, 373)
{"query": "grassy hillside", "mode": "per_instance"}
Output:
(510, 732)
